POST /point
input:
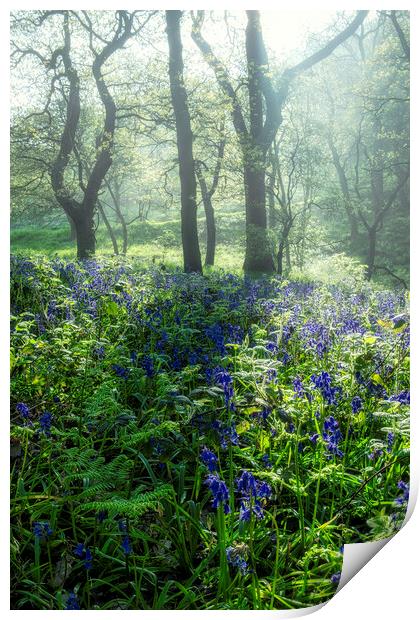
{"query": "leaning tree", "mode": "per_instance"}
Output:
(66, 80)
(257, 126)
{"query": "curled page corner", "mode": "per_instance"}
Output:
(356, 555)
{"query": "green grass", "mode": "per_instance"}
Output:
(149, 242)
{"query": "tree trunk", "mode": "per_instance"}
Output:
(210, 221)
(258, 257)
(280, 253)
(109, 229)
(73, 234)
(370, 260)
(351, 215)
(85, 235)
(189, 231)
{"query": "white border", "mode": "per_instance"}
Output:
(387, 586)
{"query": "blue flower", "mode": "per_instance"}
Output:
(209, 459)
(84, 553)
(356, 404)
(266, 460)
(120, 371)
(219, 491)
(390, 440)
(23, 410)
(79, 550)
(403, 499)
(402, 397)
(72, 602)
(236, 557)
(147, 364)
(298, 387)
(224, 379)
(246, 484)
(45, 423)
(332, 436)
(126, 545)
(323, 383)
(42, 530)
(335, 578)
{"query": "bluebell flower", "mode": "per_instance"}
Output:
(266, 461)
(272, 347)
(390, 441)
(102, 515)
(126, 545)
(323, 383)
(246, 484)
(314, 438)
(42, 530)
(72, 601)
(375, 454)
(356, 404)
(332, 436)
(79, 550)
(23, 410)
(147, 364)
(45, 423)
(236, 557)
(120, 371)
(219, 491)
(84, 553)
(224, 379)
(403, 499)
(402, 397)
(335, 578)
(209, 459)
(99, 352)
(298, 387)
(227, 434)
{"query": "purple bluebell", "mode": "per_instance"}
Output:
(23, 410)
(72, 601)
(356, 404)
(209, 459)
(219, 491)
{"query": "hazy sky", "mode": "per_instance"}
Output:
(284, 31)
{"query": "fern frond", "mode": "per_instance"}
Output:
(134, 507)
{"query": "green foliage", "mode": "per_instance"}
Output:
(119, 367)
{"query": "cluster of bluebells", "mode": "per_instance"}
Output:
(323, 383)
(85, 554)
(42, 530)
(219, 491)
(402, 397)
(236, 557)
(23, 410)
(251, 492)
(45, 422)
(402, 500)
(209, 459)
(227, 433)
(356, 404)
(224, 379)
(332, 436)
(72, 601)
